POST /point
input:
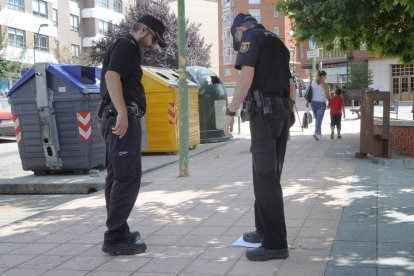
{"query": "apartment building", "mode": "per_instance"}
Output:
(55, 30)
(264, 12)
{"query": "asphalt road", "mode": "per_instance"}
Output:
(17, 207)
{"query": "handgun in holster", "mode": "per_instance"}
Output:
(248, 108)
(110, 111)
(106, 106)
(258, 99)
(101, 108)
(111, 114)
(262, 103)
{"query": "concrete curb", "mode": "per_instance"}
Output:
(86, 184)
(396, 161)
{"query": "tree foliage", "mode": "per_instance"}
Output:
(64, 55)
(385, 26)
(198, 52)
(360, 76)
(7, 67)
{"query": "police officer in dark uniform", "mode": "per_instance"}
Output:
(264, 86)
(123, 103)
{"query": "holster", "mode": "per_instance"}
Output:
(244, 115)
(103, 106)
(289, 104)
(111, 114)
(100, 109)
(248, 108)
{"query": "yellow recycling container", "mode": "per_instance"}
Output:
(161, 119)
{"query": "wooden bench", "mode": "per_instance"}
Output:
(356, 111)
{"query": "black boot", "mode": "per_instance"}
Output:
(124, 248)
(252, 237)
(134, 236)
(263, 254)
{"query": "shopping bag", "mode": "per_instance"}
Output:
(305, 120)
(309, 93)
(309, 116)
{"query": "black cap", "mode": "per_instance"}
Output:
(237, 22)
(156, 26)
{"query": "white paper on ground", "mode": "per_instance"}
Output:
(241, 242)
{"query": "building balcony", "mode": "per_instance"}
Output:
(227, 42)
(228, 60)
(227, 4)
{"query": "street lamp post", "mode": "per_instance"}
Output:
(347, 72)
(292, 51)
(36, 39)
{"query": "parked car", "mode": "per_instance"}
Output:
(6, 121)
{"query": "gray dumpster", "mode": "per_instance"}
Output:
(212, 103)
(54, 109)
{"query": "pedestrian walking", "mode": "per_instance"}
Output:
(320, 93)
(264, 85)
(123, 103)
(337, 109)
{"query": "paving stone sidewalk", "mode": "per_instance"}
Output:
(190, 223)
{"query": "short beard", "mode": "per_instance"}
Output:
(141, 44)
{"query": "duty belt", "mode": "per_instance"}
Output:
(135, 111)
(132, 110)
(275, 99)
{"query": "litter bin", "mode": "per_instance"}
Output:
(162, 128)
(54, 109)
(212, 102)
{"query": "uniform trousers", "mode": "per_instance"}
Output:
(269, 135)
(123, 178)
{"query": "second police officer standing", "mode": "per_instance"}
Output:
(123, 103)
(266, 87)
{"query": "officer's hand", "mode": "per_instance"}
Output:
(228, 127)
(121, 125)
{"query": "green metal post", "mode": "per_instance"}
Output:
(314, 65)
(183, 88)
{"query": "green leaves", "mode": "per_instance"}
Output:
(198, 52)
(7, 67)
(385, 26)
(360, 76)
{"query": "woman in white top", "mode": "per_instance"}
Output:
(320, 93)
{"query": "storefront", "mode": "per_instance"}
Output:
(402, 79)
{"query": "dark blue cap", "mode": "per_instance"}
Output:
(156, 26)
(240, 19)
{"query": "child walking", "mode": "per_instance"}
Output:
(337, 105)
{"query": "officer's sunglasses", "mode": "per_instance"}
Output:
(154, 37)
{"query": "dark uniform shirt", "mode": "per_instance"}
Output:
(124, 57)
(263, 50)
